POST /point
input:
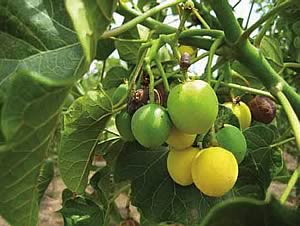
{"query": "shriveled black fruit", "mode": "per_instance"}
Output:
(145, 81)
(141, 97)
(185, 61)
(263, 109)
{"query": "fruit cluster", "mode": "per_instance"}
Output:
(192, 108)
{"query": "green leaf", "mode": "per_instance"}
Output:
(107, 189)
(43, 37)
(81, 211)
(128, 51)
(45, 177)
(28, 125)
(90, 19)
(250, 212)
(104, 48)
(270, 48)
(159, 198)
(114, 77)
(259, 139)
(85, 120)
(226, 116)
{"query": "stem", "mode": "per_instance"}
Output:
(202, 32)
(139, 19)
(212, 52)
(200, 18)
(163, 75)
(151, 85)
(291, 65)
(282, 142)
(250, 12)
(291, 115)
(128, 40)
(262, 32)
(218, 82)
(293, 180)
(178, 70)
(161, 28)
(246, 89)
(102, 72)
(264, 18)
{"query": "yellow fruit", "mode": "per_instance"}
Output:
(179, 140)
(179, 165)
(242, 112)
(214, 171)
(187, 49)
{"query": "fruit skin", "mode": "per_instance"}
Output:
(179, 165)
(263, 109)
(151, 125)
(179, 140)
(232, 139)
(120, 93)
(123, 124)
(214, 171)
(187, 49)
(242, 112)
(193, 106)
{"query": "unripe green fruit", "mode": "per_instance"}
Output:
(151, 125)
(179, 164)
(233, 140)
(123, 124)
(120, 93)
(193, 107)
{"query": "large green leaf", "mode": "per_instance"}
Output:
(28, 125)
(42, 40)
(90, 19)
(84, 122)
(250, 212)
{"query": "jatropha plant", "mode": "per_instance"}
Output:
(189, 122)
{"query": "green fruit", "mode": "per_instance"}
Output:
(193, 107)
(123, 124)
(233, 140)
(151, 125)
(242, 112)
(120, 93)
(179, 165)
(69, 100)
(214, 171)
(179, 140)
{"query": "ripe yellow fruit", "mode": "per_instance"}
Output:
(214, 171)
(179, 140)
(179, 165)
(242, 112)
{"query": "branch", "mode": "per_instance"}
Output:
(139, 19)
(249, 56)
